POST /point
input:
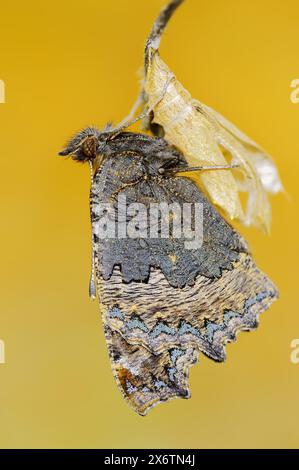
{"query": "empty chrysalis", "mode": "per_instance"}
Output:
(207, 138)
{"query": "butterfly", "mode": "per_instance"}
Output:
(163, 298)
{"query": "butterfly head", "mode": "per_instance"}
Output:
(85, 146)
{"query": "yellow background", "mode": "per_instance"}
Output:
(70, 63)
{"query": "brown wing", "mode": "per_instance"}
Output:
(146, 379)
(148, 325)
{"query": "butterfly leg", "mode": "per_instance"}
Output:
(172, 171)
(127, 123)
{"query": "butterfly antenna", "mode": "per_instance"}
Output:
(92, 283)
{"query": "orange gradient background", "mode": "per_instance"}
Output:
(70, 63)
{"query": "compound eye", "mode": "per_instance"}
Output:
(89, 147)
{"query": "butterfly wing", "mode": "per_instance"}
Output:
(205, 137)
(116, 190)
(163, 303)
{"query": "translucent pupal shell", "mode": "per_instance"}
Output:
(207, 138)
